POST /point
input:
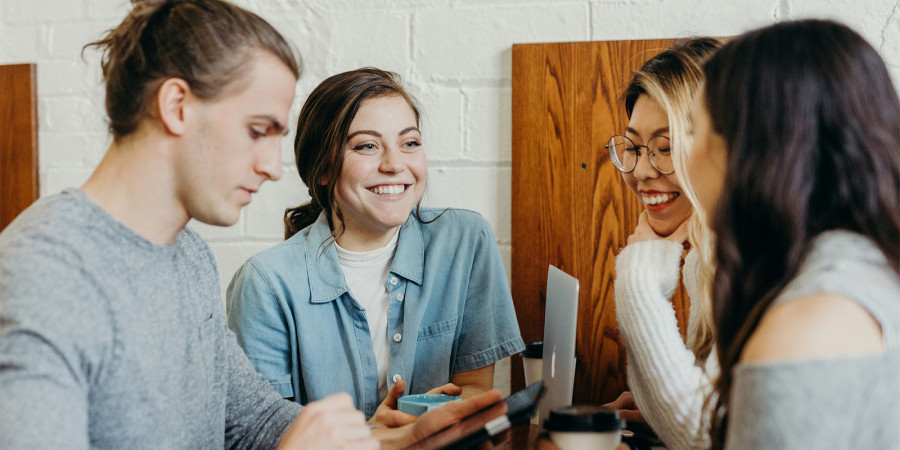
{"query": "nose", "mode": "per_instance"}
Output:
(391, 160)
(644, 170)
(268, 164)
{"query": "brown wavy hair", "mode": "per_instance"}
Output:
(322, 130)
(811, 121)
(206, 43)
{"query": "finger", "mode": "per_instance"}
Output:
(628, 400)
(631, 415)
(393, 419)
(444, 419)
(344, 432)
(644, 217)
(681, 234)
(643, 231)
(547, 444)
(449, 389)
(467, 407)
(341, 400)
(394, 393)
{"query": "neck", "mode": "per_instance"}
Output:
(363, 240)
(133, 183)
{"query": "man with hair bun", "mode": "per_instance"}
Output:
(112, 331)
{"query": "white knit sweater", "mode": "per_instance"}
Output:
(668, 386)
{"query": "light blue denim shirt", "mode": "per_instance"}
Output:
(451, 311)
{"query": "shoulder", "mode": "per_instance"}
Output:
(451, 219)
(288, 254)
(282, 266)
(815, 326)
(46, 278)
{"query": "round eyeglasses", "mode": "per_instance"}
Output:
(625, 153)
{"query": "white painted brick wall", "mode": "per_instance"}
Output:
(454, 55)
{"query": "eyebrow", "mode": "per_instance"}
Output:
(655, 133)
(370, 132)
(276, 124)
(377, 134)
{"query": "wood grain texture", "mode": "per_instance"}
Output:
(570, 207)
(18, 140)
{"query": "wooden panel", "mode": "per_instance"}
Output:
(18, 140)
(570, 207)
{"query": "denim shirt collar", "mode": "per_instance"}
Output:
(326, 278)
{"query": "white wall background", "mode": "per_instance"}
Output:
(454, 55)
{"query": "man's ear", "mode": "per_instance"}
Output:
(170, 103)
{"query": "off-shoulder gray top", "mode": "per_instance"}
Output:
(838, 403)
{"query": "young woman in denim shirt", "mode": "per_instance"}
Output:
(370, 293)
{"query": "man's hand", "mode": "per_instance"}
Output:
(387, 414)
(627, 408)
(332, 422)
(490, 404)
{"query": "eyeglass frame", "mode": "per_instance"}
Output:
(637, 148)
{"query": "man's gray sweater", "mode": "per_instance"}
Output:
(110, 341)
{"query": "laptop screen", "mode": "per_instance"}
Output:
(560, 320)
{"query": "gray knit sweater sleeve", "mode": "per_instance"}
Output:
(833, 403)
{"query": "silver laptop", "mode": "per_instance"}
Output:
(560, 320)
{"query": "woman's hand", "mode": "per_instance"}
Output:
(387, 414)
(332, 422)
(644, 232)
(488, 405)
(627, 408)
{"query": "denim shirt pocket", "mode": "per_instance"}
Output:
(434, 349)
(438, 329)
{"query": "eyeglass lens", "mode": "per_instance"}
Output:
(625, 153)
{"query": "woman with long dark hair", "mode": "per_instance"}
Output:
(797, 159)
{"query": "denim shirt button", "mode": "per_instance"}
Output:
(398, 337)
(400, 297)
(394, 281)
(396, 377)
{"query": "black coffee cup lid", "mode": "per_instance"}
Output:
(534, 350)
(584, 418)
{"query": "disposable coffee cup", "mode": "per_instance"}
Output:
(532, 361)
(585, 427)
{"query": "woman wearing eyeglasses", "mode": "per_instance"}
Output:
(669, 380)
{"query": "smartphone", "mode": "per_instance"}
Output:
(487, 423)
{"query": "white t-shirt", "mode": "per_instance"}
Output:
(366, 275)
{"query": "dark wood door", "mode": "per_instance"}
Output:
(18, 140)
(570, 207)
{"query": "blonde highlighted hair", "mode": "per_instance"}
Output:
(672, 79)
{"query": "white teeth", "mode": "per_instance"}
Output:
(394, 189)
(657, 199)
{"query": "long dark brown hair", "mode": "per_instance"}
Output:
(204, 42)
(812, 125)
(322, 130)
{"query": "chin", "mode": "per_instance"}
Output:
(220, 220)
(664, 227)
